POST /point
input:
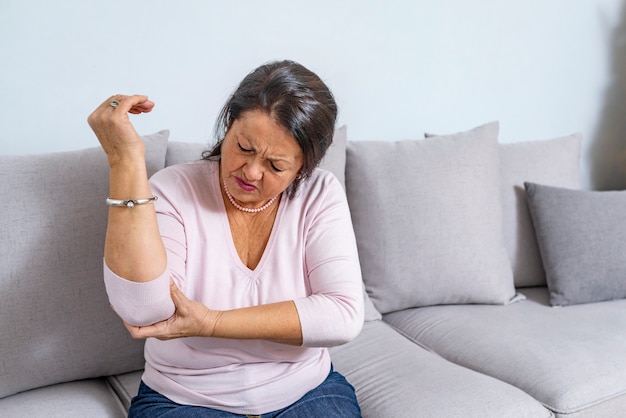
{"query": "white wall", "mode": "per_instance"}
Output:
(398, 68)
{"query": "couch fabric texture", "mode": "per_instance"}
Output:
(459, 281)
(554, 162)
(54, 309)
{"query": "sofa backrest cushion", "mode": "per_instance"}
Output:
(183, 152)
(554, 162)
(56, 324)
(335, 158)
(428, 220)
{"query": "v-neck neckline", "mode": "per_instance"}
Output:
(227, 230)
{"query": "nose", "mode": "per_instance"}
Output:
(253, 170)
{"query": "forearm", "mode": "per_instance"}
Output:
(133, 247)
(278, 322)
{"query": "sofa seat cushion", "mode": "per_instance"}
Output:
(572, 360)
(394, 377)
(126, 386)
(91, 398)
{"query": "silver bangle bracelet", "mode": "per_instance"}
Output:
(130, 203)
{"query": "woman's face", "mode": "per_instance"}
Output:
(259, 160)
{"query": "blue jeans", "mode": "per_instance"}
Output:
(335, 397)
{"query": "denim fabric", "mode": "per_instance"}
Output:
(334, 398)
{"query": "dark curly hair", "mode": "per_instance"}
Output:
(296, 98)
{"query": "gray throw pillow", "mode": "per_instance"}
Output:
(56, 324)
(581, 239)
(428, 220)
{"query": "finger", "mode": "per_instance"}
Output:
(141, 333)
(117, 108)
(133, 330)
(120, 103)
(134, 104)
(178, 297)
(143, 107)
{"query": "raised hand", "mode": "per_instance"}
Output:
(112, 126)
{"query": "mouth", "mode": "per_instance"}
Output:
(244, 185)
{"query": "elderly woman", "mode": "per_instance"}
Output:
(241, 268)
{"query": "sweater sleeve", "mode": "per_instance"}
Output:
(147, 303)
(139, 303)
(333, 312)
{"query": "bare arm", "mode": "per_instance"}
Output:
(133, 247)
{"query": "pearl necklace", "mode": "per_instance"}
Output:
(244, 209)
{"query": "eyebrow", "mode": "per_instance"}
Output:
(278, 158)
(273, 158)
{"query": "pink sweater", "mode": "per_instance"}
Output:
(311, 258)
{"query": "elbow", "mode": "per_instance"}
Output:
(346, 324)
(354, 316)
(142, 316)
(139, 304)
(355, 329)
(352, 326)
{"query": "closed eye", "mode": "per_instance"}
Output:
(247, 151)
(242, 148)
(276, 169)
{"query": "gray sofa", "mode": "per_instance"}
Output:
(461, 269)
